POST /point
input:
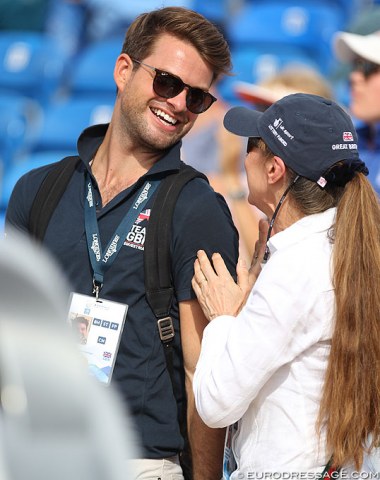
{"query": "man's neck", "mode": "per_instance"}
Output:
(116, 168)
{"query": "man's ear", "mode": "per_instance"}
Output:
(122, 71)
(276, 169)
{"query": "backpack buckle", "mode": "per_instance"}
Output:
(165, 329)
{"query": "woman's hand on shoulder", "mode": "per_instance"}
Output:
(216, 290)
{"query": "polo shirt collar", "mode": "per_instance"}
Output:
(92, 137)
(303, 228)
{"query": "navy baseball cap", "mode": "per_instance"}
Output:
(308, 132)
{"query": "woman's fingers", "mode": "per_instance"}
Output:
(261, 243)
(205, 267)
(215, 288)
(195, 284)
(220, 266)
(263, 229)
(199, 276)
(242, 275)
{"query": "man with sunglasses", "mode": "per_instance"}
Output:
(169, 60)
(363, 53)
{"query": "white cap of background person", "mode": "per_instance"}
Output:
(349, 46)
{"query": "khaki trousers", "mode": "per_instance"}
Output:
(152, 469)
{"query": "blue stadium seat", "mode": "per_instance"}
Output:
(92, 71)
(215, 10)
(19, 116)
(2, 221)
(63, 122)
(348, 8)
(30, 63)
(308, 26)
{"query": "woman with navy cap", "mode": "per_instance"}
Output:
(294, 369)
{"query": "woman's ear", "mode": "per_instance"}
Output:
(122, 71)
(276, 169)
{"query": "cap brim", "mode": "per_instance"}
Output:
(350, 45)
(243, 121)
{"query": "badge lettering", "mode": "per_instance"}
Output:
(136, 237)
(89, 197)
(111, 249)
(95, 246)
(143, 196)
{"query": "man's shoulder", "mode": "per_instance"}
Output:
(198, 180)
(199, 193)
(25, 191)
(35, 175)
(200, 207)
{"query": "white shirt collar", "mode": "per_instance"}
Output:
(306, 226)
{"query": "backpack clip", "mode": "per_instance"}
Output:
(165, 329)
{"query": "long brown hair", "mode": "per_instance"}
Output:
(350, 404)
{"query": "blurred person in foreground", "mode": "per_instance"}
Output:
(169, 60)
(50, 428)
(292, 348)
(362, 52)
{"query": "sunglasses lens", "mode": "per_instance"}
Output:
(169, 86)
(370, 69)
(198, 101)
(365, 67)
(166, 85)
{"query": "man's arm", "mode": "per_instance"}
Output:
(207, 444)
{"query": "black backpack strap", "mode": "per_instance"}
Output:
(158, 277)
(49, 194)
(157, 256)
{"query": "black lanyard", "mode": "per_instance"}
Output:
(101, 262)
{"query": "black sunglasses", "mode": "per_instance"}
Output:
(167, 85)
(366, 67)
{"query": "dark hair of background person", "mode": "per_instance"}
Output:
(184, 24)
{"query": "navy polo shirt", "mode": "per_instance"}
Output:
(201, 220)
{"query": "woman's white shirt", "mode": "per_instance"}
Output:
(266, 366)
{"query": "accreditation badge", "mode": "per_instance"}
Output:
(97, 325)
